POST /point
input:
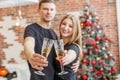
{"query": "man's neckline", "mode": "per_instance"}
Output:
(43, 26)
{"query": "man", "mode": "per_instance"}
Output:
(34, 35)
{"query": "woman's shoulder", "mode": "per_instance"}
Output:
(74, 45)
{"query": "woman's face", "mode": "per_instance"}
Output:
(66, 28)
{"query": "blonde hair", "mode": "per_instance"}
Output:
(76, 37)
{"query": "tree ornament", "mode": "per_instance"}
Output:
(98, 38)
(96, 50)
(84, 54)
(3, 71)
(113, 70)
(88, 41)
(93, 62)
(85, 61)
(103, 63)
(93, 43)
(84, 77)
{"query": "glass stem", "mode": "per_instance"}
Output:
(62, 67)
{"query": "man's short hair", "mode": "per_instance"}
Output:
(45, 1)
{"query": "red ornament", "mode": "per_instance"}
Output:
(84, 77)
(97, 47)
(88, 41)
(99, 62)
(98, 38)
(96, 50)
(103, 63)
(99, 73)
(85, 61)
(93, 43)
(84, 54)
(87, 24)
(113, 70)
(93, 62)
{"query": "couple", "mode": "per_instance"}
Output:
(70, 32)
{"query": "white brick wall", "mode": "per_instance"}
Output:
(15, 48)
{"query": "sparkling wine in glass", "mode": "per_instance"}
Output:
(59, 47)
(46, 48)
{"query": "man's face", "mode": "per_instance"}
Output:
(47, 11)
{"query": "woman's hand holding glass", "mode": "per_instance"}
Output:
(59, 47)
(70, 55)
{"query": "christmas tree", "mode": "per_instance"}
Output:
(98, 62)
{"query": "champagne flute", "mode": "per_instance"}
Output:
(59, 47)
(46, 48)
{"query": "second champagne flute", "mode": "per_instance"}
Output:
(59, 47)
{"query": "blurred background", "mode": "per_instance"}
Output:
(15, 15)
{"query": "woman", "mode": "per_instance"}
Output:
(70, 32)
